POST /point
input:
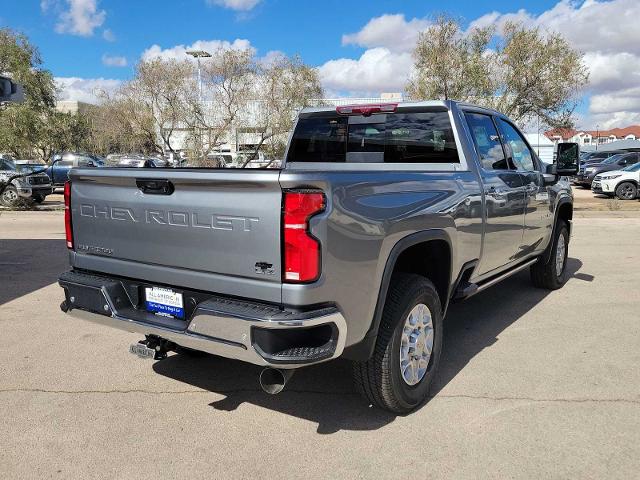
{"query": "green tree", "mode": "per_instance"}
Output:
(23, 63)
(523, 72)
(34, 128)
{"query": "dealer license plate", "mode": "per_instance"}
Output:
(164, 301)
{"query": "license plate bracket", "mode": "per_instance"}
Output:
(164, 301)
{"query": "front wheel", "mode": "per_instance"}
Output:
(399, 374)
(10, 196)
(553, 274)
(39, 198)
(626, 191)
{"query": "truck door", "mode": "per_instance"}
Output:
(504, 196)
(538, 218)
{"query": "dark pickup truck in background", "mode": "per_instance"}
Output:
(62, 163)
(590, 169)
(379, 217)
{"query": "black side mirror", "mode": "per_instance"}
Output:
(10, 91)
(568, 159)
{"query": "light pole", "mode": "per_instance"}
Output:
(197, 54)
(597, 136)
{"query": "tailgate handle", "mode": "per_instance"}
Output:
(154, 186)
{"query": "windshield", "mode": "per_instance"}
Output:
(6, 164)
(612, 159)
(30, 167)
(632, 168)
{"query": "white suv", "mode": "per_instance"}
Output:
(624, 183)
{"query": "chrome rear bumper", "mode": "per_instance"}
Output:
(220, 326)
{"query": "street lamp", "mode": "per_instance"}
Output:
(597, 136)
(197, 54)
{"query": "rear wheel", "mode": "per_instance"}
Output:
(553, 274)
(399, 374)
(626, 191)
(39, 198)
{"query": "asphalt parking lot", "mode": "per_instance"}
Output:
(533, 385)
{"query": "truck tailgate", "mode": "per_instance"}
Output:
(223, 223)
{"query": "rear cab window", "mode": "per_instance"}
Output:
(400, 137)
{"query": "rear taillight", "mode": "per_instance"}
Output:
(301, 262)
(68, 231)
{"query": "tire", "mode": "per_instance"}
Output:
(39, 198)
(380, 379)
(626, 191)
(548, 275)
(10, 197)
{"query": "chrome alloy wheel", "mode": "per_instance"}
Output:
(416, 344)
(561, 250)
(9, 195)
(626, 191)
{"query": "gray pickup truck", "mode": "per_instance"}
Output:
(379, 217)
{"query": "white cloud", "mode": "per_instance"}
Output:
(612, 72)
(114, 61)
(179, 52)
(239, 5)
(377, 70)
(607, 33)
(628, 99)
(602, 26)
(80, 17)
(85, 89)
(108, 35)
(391, 31)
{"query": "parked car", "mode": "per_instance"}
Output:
(379, 217)
(148, 162)
(34, 187)
(599, 155)
(592, 158)
(623, 183)
(615, 162)
(61, 163)
(260, 160)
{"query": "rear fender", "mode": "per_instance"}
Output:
(364, 349)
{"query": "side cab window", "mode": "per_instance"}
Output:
(487, 141)
(518, 151)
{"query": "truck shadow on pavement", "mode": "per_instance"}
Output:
(324, 394)
(28, 265)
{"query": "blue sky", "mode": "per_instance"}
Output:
(360, 46)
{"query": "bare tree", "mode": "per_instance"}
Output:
(228, 78)
(284, 86)
(156, 99)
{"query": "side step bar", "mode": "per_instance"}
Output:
(467, 289)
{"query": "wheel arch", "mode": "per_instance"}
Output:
(563, 211)
(416, 253)
(627, 180)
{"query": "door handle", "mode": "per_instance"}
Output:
(154, 186)
(532, 188)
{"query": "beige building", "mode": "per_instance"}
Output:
(73, 106)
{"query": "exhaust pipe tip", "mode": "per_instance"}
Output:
(273, 380)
